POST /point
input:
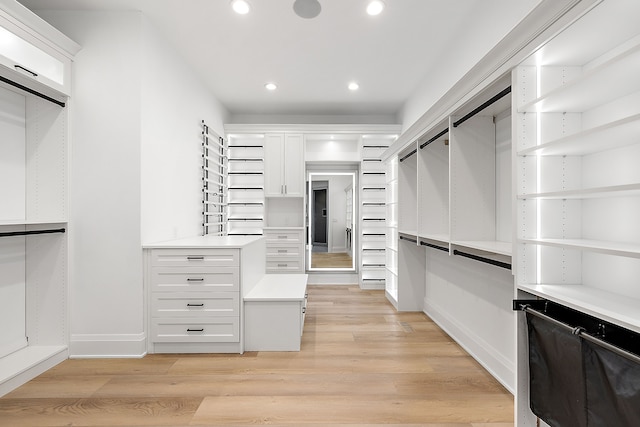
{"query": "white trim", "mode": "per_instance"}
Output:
(107, 345)
(492, 360)
(311, 128)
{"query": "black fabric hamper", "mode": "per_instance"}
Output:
(556, 379)
(613, 388)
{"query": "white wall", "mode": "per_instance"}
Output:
(489, 22)
(174, 101)
(136, 111)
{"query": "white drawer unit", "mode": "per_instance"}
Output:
(195, 288)
(194, 304)
(195, 279)
(196, 330)
(195, 258)
(195, 295)
(285, 250)
(283, 235)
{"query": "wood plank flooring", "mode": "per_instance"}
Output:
(331, 260)
(361, 364)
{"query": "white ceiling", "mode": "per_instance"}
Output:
(391, 56)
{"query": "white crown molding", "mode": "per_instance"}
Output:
(313, 128)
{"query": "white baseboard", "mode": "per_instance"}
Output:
(333, 278)
(494, 362)
(107, 345)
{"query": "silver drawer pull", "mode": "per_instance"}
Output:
(195, 258)
(282, 251)
(282, 237)
(282, 265)
(304, 309)
(199, 279)
(195, 305)
(195, 330)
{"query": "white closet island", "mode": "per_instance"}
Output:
(211, 294)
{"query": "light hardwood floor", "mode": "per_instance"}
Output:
(361, 364)
(331, 260)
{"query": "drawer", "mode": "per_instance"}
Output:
(195, 258)
(195, 279)
(283, 236)
(285, 265)
(276, 251)
(195, 304)
(214, 329)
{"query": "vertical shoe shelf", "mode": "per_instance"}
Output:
(373, 212)
(246, 203)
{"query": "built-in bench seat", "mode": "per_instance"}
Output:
(274, 312)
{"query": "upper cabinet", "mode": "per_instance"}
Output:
(33, 55)
(284, 165)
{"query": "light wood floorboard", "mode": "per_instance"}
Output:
(361, 364)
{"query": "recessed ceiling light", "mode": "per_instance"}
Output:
(241, 7)
(375, 7)
(270, 86)
(354, 86)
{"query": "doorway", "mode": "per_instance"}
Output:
(330, 220)
(319, 201)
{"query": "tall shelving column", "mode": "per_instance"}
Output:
(391, 245)
(576, 144)
(34, 189)
(245, 205)
(373, 212)
(411, 266)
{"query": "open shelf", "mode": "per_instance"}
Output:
(587, 193)
(631, 250)
(609, 80)
(618, 133)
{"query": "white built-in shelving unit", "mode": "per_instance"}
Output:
(391, 238)
(34, 148)
(245, 184)
(373, 211)
(454, 227)
(576, 150)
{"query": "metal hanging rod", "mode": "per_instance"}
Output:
(372, 173)
(430, 140)
(32, 232)
(408, 239)
(244, 146)
(482, 107)
(33, 92)
(375, 146)
(483, 259)
(525, 305)
(431, 245)
(409, 155)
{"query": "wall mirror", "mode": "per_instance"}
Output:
(330, 221)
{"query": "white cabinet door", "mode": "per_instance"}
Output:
(284, 165)
(273, 165)
(294, 166)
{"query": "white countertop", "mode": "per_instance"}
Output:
(279, 287)
(205, 242)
